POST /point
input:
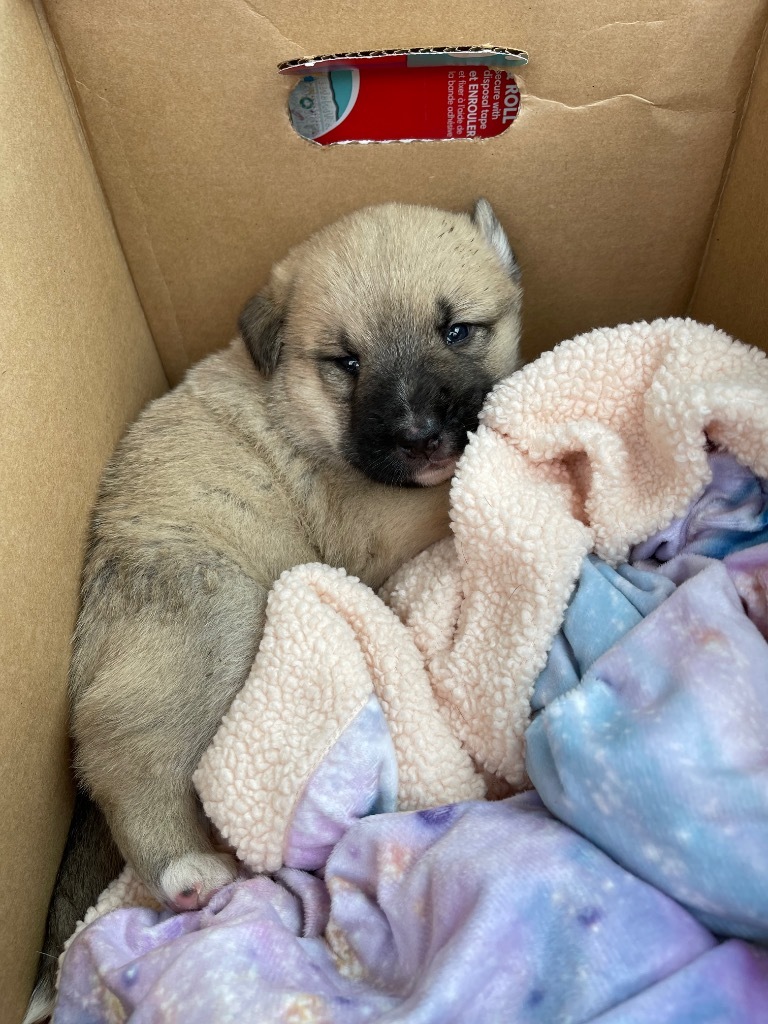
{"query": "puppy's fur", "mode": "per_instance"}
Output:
(327, 432)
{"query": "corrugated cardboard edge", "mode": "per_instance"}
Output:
(296, 63)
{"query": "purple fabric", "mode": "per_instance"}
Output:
(730, 514)
(541, 927)
(357, 777)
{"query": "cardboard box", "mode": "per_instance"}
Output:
(150, 176)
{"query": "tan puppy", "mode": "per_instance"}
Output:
(328, 432)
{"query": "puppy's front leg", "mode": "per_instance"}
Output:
(151, 683)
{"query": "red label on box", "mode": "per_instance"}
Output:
(419, 95)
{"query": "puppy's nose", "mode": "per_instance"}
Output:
(420, 439)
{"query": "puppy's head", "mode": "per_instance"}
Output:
(384, 332)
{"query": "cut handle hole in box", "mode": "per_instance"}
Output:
(405, 95)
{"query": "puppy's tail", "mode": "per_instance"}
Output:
(90, 862)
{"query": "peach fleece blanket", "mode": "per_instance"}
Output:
(593, 447)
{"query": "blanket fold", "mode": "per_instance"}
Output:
(592, 448)
(474, 914)
(328, 644)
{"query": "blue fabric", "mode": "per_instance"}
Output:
(651, 736)
(660, 755)
(606, 604)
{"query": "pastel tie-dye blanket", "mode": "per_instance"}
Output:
(630, 887)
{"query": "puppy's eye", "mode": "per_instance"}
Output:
(349, 364)
(458, 333)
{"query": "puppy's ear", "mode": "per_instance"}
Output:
(260, 324)
(485, 219)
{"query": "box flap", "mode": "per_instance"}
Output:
(732, 290)
(77, 362)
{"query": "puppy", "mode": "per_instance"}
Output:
(327, 432)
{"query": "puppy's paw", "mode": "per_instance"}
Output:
(189, 881)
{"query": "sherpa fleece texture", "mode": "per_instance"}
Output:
(593, 447)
